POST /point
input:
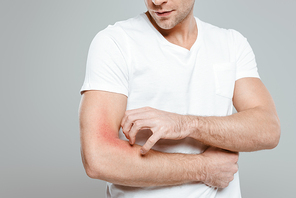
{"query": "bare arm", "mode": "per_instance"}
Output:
(107, 157)
(255, 126)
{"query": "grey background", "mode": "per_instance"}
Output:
(44, 45)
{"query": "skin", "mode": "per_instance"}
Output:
(180, 26)
(255, 127)
(109, 158)
(181, 12)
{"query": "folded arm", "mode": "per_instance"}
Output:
(255, 127)
(109, 158)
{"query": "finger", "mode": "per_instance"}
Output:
(133, 118)
(136, 127)
(237, 158)
(126, 126)
(237, 167)
(123, 121)
(149, 144)
(128, 123)
(133, 111)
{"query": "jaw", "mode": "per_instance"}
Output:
(171, 20)
(171, 16)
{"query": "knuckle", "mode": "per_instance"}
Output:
(124, 130)
(221, 185)
(126, 114)
(231, 178)
(131, 120)
(225, 185)
(234, 158)
(128, 118)
(137, 124)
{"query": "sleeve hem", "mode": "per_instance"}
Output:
(114, 89)
(247, 75)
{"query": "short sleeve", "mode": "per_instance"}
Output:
(246, 65)
(106, 68)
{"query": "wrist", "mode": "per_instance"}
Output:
(203, 168)
(198, 171)
(191, 125)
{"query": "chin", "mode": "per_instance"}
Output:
(166, 26)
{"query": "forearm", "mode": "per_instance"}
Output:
(117, 162)
(249, 130)
(109, 158)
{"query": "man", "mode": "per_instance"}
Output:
(156, 113)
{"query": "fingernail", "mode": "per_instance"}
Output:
(142, 151)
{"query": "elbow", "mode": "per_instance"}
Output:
(274, 135)
(100, 158)
(92, 173)
(91, 168)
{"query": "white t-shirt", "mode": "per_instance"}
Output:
(134, 59)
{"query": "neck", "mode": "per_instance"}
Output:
(183, 34)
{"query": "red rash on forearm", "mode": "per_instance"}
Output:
(106, 128)
(108, 135)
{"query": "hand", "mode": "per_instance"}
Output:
(219, 167)
(164, 125)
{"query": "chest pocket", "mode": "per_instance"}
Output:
(225, 74)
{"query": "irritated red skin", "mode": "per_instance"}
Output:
(108, 135)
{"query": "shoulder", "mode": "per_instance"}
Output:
(122, 30)
(218, 33)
